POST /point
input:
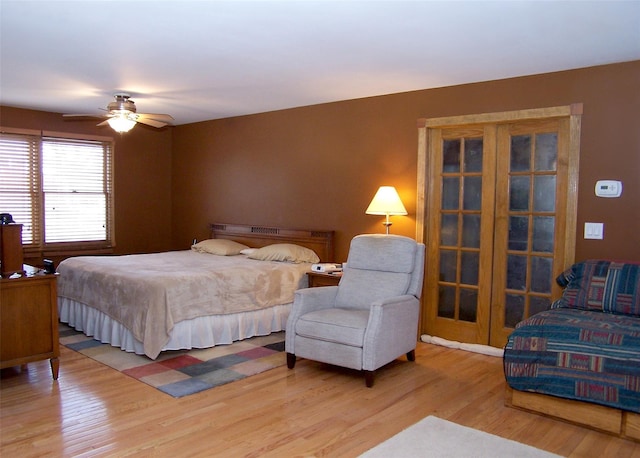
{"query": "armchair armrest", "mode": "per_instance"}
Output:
(392, 330)
(305, 301)
(309, 299)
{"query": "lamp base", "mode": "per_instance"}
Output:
(387, 224)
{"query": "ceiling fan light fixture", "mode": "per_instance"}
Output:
(122, 116)
(121, 123)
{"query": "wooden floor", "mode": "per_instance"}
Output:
(313, 410)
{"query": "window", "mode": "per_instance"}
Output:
(59, 187)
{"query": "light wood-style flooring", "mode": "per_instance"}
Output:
(312, 410)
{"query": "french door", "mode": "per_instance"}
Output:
(497, 211)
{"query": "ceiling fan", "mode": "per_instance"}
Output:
(122, 115)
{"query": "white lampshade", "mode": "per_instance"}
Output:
(386, 202)
(121, 123)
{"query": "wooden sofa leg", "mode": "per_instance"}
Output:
(291, 360)
(411, 356)
(368, 378)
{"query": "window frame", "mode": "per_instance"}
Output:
(38, 246)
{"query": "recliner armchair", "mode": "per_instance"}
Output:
(371, 317)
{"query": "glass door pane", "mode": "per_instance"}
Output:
(527, 202)
(531, 214)
(460, 224)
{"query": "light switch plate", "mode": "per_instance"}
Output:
(594, 231)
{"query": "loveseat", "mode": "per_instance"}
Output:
(580, 360)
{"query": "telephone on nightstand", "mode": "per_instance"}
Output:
(326, 267)
(49, 266)
(6, 218)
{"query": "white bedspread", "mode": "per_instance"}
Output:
(150, 293)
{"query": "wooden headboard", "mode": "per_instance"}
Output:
(258, 236)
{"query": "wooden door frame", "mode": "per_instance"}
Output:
(426, 187)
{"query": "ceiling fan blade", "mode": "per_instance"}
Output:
(157, 116)
(103, 123)
(151, 122)
(81, 115)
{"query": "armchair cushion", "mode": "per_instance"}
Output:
(388, 253)
(378, 267)
(360, 287)
(342, 326)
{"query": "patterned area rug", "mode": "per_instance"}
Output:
(181, 373)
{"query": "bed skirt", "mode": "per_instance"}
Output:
(204, 332)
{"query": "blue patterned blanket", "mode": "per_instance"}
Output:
(585, 348)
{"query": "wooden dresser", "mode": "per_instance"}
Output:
(29, 320)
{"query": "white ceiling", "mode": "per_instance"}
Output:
(202, 60)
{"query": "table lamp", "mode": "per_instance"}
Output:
(386, 202)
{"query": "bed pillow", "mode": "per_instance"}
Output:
(221, 247)
(601, 285)
(287, 252)
(248, 251)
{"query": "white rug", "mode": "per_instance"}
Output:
(434, 437)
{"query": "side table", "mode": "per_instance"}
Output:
(323, 279)
(29, 321)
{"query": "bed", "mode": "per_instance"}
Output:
(229, 287)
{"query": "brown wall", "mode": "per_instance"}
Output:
(319, 166)
(142, 176)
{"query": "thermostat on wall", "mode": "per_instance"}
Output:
(608, 188)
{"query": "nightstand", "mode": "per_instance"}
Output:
(323, 279)
(29, 320)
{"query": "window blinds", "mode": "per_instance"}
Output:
(76, 190)
(20, 184)
(60, 189)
